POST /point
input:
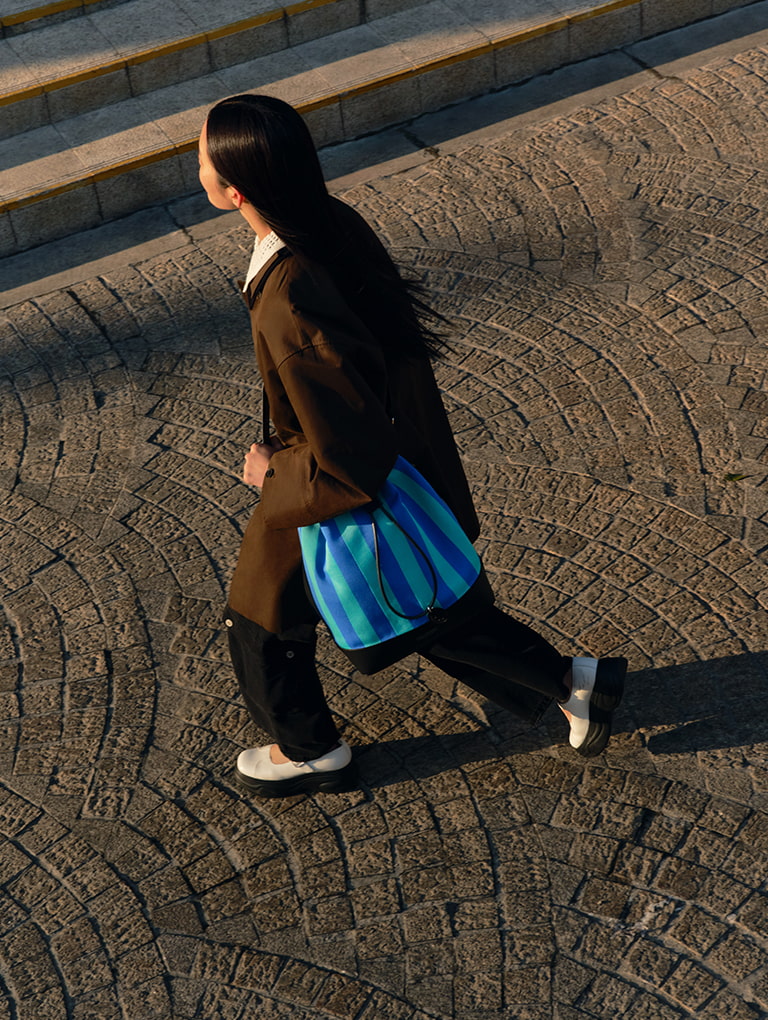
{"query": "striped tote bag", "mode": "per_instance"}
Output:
(389, 576)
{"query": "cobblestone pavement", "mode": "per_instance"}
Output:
(608, 275)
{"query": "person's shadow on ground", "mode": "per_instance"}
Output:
(703, 706)
(697, 706)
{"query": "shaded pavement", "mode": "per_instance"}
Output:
(606, 267)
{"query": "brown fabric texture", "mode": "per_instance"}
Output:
(332, 401)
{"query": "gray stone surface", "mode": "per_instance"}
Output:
(138, 98)
(604, 264)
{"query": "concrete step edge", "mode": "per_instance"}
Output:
(177, 152)
(39, 84)
(141, 159)
(53, 84)
(20, 20)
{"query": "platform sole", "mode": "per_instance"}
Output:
(339, 781)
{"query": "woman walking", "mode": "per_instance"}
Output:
(343, 346)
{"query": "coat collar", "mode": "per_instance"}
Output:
(255, 287)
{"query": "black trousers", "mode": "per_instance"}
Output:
(500, 658)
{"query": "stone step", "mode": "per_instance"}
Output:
(19, 16)
(88, 169)
(111, 53)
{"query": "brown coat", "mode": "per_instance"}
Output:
(332, 402)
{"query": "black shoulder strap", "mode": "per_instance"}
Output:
(253, 292)
(255, 287)
(264, 414)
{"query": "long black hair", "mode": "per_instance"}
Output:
(261, 146)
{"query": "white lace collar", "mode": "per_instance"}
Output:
(262, 252)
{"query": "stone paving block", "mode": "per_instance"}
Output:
(381, 8)
(228, 12)
(74, 45)
(730, 1006)
(590, 35)
(235, 48)
(178, 65)
(80, 204)
(139, 25)
(430, 30)
(658, 17)
(323, 20)
(759, 991)
(115, 196)
(24, 116)
(8, 239)
(92, 93)
(457, 81)
(376, 108)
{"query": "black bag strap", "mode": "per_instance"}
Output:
(431, 610)
(253, 295)
(264, 415)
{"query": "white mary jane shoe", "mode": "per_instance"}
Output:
(596, 690)
(332, 772)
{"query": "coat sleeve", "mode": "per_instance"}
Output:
(343, 444)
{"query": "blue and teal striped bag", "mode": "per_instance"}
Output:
(386, 573)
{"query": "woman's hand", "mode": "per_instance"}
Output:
(257, 461)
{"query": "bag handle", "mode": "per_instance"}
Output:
(433, 612)
(274, 262)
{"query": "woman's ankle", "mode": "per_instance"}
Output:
(279, 757)
(568, 685)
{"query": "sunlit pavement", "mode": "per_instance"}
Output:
(603, 259)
